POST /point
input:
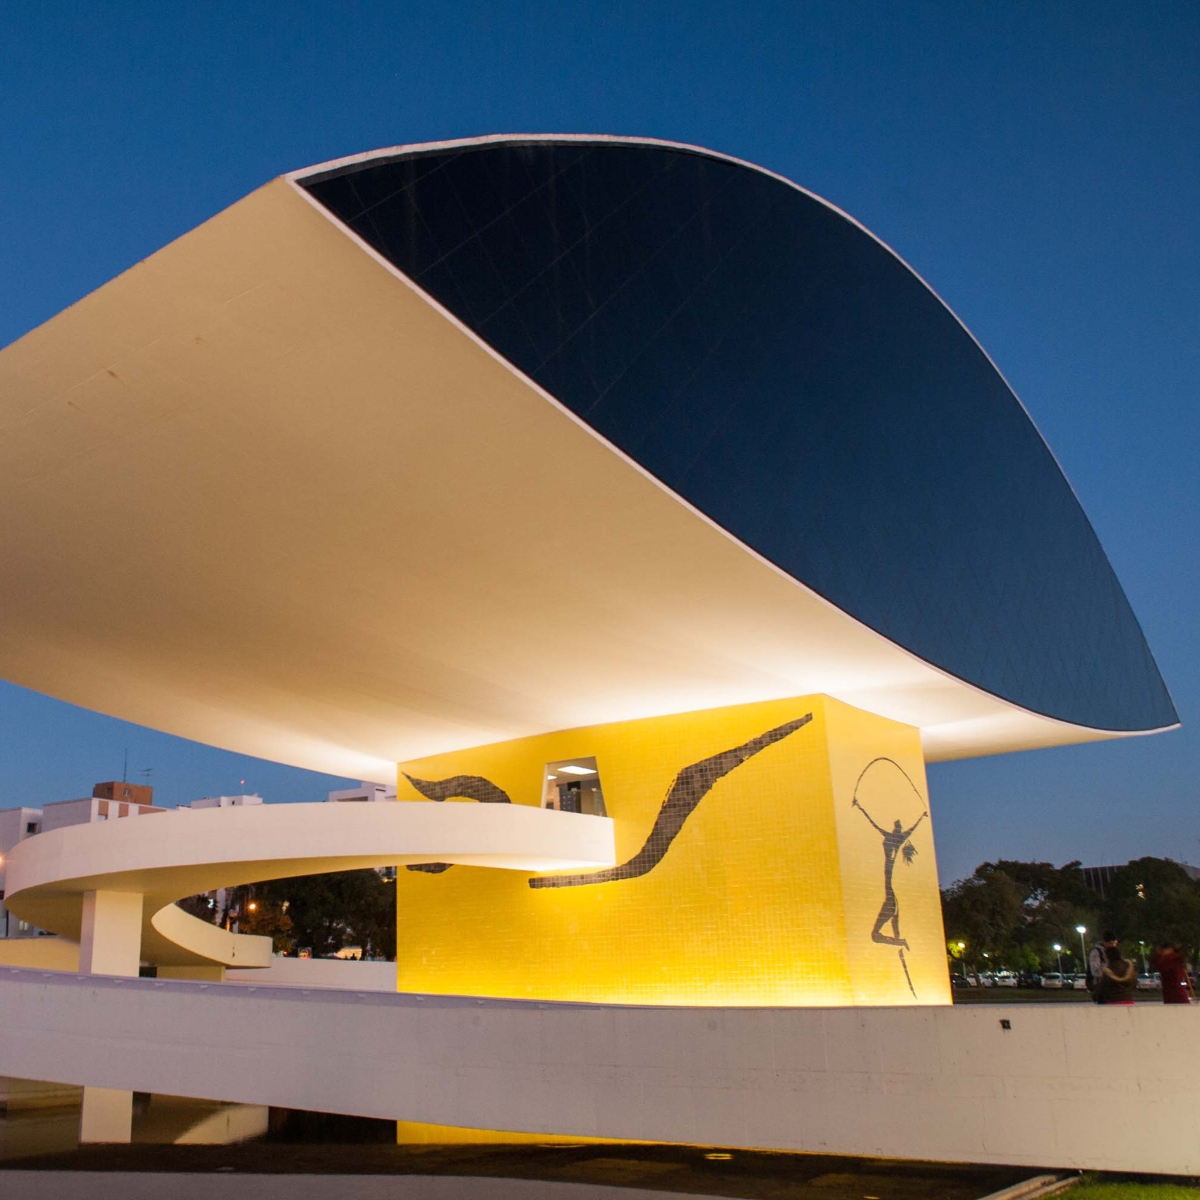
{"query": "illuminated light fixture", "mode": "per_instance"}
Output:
(574, 770)
(551, 777)
(718, 1156)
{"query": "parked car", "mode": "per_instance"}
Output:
(1149, 981)
(1051, 979)
(1006, 979)
(1079, 982)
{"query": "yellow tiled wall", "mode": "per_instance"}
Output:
(767, 895)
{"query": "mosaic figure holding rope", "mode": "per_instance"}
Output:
(895, 842)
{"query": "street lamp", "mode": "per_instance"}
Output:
(1081, 930)
(1058, 951)
(1144, 967)
(961, 947)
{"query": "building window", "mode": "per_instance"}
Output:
(573, 785)
(31, 827)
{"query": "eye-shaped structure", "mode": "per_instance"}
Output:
(446, 444)
(779, 368)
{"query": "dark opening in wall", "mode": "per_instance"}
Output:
(573, 785)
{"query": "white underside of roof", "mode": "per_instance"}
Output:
(260, 491)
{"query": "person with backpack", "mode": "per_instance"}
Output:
(1097, 960)
(1118, 978)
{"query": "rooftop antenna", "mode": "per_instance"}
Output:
(145, 773)
(125, 769)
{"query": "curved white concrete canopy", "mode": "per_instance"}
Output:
(262, 492)
(184, 852)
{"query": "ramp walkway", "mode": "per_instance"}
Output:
(112, 886)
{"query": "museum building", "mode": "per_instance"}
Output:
(611, 480)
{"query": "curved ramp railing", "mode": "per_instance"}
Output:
(184, 852)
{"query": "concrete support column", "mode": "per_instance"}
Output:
(107, 1115)
(110, 941)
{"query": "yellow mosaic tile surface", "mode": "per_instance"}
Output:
(769, 893)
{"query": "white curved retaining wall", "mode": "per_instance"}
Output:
(1067, 1086)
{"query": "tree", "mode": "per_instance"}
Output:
(267, 917)
(983, 912)
(329, 912)
(1019, 910)
(1043, 882)
(322, 913)
(1054, 901)
(1154, 900)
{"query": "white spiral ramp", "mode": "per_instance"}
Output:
(113, 885)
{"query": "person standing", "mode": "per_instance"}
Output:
(1169, 961)
(1098, 958)
(1118, 979)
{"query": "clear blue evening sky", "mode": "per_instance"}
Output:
(1038, 163)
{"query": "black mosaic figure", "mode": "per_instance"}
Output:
(689, 787)
(895, 841)
(468, 787)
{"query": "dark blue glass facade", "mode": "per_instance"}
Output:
(785, 373)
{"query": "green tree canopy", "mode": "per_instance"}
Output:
(1018, 911)
(1154, 900)
(321, 913)
(330, 912)
(1042, 882)
(983, 912)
